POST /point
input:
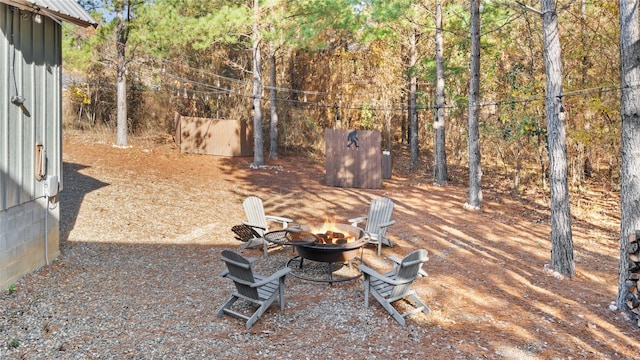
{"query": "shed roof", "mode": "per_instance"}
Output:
(65, 10)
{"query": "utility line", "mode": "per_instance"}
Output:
(244, 82)
(308, 92)
(215, 90)
(218, 90)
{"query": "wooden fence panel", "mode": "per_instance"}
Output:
(213, 136)
(353, 167)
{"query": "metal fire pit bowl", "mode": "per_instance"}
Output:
(310, 246)
(335, 252)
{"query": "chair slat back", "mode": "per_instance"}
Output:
(408, 270)
(241, 272)
(254, 210)
(379, 213)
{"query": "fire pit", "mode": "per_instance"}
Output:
(325, 243)
(341, 243)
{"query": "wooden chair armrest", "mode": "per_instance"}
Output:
(277, 275)
(371, 272)
(279, 219)
(387, 224)
(255, 226)
(395, 259)
(355, 221)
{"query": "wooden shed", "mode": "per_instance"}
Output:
(214, 136)
(351, 166)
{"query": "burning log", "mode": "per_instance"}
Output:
(331, 237)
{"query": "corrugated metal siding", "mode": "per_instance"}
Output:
(4, 104)
(37, 70)
(67, 10)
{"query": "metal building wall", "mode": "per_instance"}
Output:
(30, 66)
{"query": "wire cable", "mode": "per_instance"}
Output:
(15, 99)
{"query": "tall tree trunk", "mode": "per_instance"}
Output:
(475, 171)
(582, 158)
(516, 178)
(583, 42)
(561, 240)
(630, 113)
(273, 107)
(413, 104)
(403, 122)
(122, 33)
(541, 145)
(258, 142)
(440, 153)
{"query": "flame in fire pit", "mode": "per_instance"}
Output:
(332, 233)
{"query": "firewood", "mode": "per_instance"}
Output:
(634, 276)
(634, 257)
(633, 247)
(630, 286)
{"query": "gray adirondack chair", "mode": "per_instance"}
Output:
(257, 220)
(376, 222)
(396, 285)
(259, 290)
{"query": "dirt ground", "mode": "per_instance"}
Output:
(489, 291)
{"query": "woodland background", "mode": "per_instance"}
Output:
(341, 63)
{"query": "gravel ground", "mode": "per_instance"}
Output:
(138, 276)
(113, 301)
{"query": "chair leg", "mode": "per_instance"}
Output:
(256, 315)
(420, 303)
(385, 304)
(388, 242)
(281, 293)
(227, 305)
(366, 283)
